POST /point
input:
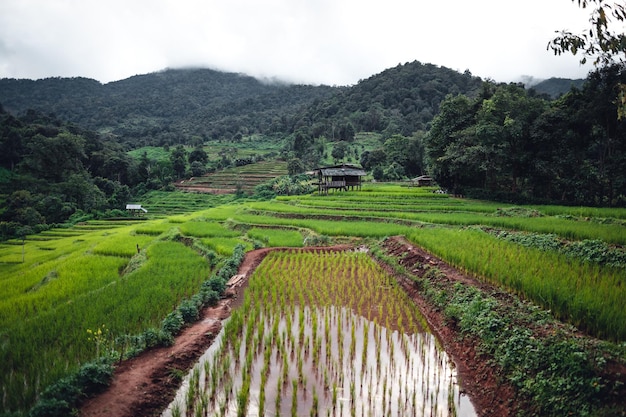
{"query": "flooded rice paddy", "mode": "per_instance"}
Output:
(322, 334)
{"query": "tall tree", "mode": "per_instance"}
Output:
(55, 158)
(604, 41)
(178, 157)
(445, 143)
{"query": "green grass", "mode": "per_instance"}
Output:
(166, 203)
(122, 243)
(225, 245)
(276, 237)
(198, 228)
(587, 295)
(48, 302)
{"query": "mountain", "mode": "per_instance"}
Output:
(556, 87)
(197, 105)
(167, 107)
(403, 99)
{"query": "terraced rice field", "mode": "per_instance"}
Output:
(230, 180)
(64, 282)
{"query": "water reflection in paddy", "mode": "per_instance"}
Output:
(307, 358)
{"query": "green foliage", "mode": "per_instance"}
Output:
(153, 337)
(400, 100)
(189, 105)
(285, 185)
(63, 397)
(189, 310)
(510, 145)
(173, 322)
(58, 171)
(215, 284)
(230, 266)
(545, 370)
(596, 251)
(603, 41)
(277, 237)
(587, 250)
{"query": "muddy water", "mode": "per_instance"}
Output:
(326, 361)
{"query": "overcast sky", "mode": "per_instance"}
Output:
(334, 42)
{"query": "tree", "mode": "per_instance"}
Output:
(178, 157)
(199, 155)
(295, 166)
(373, 159)
(397, 148)
(197, 168)
(22, 232)
(302, 141)
(339, 150)
(604, 42)
(442, 145)
(346, 132)
(11, 146)
(393, 172)
(55, 158)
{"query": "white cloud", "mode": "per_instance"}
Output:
(315, 41)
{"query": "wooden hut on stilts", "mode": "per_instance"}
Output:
(339, 177)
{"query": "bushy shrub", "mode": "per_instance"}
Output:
(173, 322)
(189, 311)
(284, 185)
(586, 250)
(61, 398)
(51, 408)
(316, 240)
(155, 337)
(596, 251)
(65, 389)
(228, 270)
(94, 376)
(216, 284)
(209, 296)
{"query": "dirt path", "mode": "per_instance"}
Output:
(145, 385)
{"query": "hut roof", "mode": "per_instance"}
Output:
(339, 170)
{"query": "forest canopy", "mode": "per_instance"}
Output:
(510, 144)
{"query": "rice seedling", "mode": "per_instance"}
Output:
(587, 295)
(48, 308)
(225, 245)
(199, 228)
(276, 237)
(288, 335)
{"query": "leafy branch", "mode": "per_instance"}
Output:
(604, 41)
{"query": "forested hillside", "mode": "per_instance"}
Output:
(400, 100)
(555, 87)
(191, 106)
(185, 106)
(51, 171)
